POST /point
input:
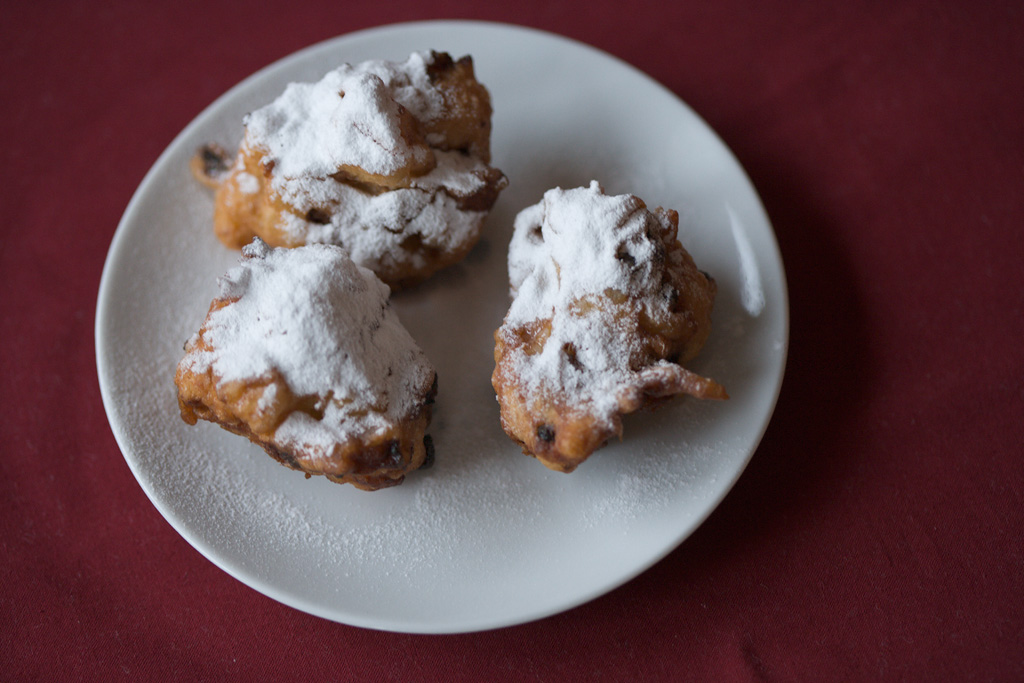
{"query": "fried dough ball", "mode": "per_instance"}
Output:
(302, 354)
(388, 160)
(607, 307)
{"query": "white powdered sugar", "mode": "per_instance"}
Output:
(573, 246)
(326, 326)
(247, 183)
(311, 132)
(372, 227)
(350, 117)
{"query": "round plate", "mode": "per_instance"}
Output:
(488, 537)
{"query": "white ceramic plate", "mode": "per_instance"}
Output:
(488, 537)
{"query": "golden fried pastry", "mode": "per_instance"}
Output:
(302, 354)
(607, 306)
(388, 160)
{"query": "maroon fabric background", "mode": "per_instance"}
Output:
(876, 534)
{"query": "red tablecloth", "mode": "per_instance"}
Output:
(877, 531)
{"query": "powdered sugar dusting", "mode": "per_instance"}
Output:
(410, 532)
(325, 325)
(574, 245)
(247, 183)
(317, 142)
(651, 481)
(350, 117)
(374, 227)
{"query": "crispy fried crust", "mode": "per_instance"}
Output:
(247, 204)
(467, 125)
(371, 461)
(549, 423)
(240, 215)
